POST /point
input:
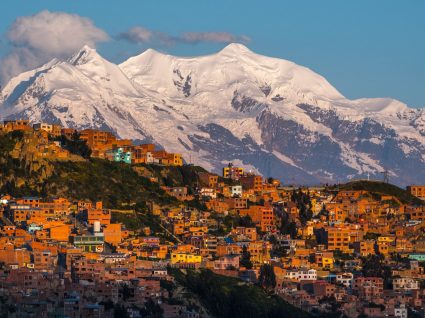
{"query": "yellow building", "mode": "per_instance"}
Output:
(232, 172)
(386, 239)
(327, 262)
(174, 159)
(260, 251)
(364, 248)
(185, 258)
(194, 229)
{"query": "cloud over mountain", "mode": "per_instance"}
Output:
(38, 38)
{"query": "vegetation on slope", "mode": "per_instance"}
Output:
(382, 188)
(116, 184)
(171, 176)
(230, 297)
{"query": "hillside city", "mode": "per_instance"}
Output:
(97, 226)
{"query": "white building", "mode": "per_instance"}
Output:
(208, 192)
(301, 274)
(43, 126)
(345, 279)
(236, 191)
(400, 311)
(405, 283)
(149, 157)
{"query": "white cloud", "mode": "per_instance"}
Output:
(36, 39)
(142, 35)
(137, 35)
(217, 37)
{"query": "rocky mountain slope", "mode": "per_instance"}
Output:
(266, 114)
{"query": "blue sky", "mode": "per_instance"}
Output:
(364, 48)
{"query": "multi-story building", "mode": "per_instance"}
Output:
(417, 191)
(185, 258)
(89, 242)
(324, 259)
(13, 125)
(337, 238)
(368, 288)
(364, 248)
(208, 179)
(236, 191)
(252, 182)
(301, 274)
(227, 262)
(405, 283)
(95, 137)
(232, 172)
(51, 129)
(263, 216)
(345, 279)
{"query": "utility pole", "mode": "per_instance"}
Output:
(386, 176)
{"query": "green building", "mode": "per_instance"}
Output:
(90, 243)
(417, 257)
(121, 156)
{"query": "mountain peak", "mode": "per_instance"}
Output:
(235, 48)
(84, 55)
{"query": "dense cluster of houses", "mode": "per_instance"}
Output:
(103, 144)
(351, 251)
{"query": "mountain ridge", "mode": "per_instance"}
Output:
(266, 114)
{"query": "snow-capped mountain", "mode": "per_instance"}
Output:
(266, 114)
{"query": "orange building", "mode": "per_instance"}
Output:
(94, 137)
(338, 238)
(44, 259)
(417, 191)
(237, 203)
(262, 216)
(60, 233)
(217, 206)
(416, 213)
(227, 249)
(249, 233)
(252, 182)
(101, 215)
(58, 206)
(208, 179)
(364, 248)
(112, 234)
(13, 125)
(68, 132)
(9, 255)
(260, 251)
(31, 201)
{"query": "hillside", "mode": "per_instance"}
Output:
(172, 176)
(265, 114)
(381, 188)
(116, 184)
(227, 297)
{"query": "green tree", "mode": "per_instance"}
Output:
(246, 258)
(374, 266)
(151, 309)
(75, 145)
(292, 231)
(267, 278)
(120, 311)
